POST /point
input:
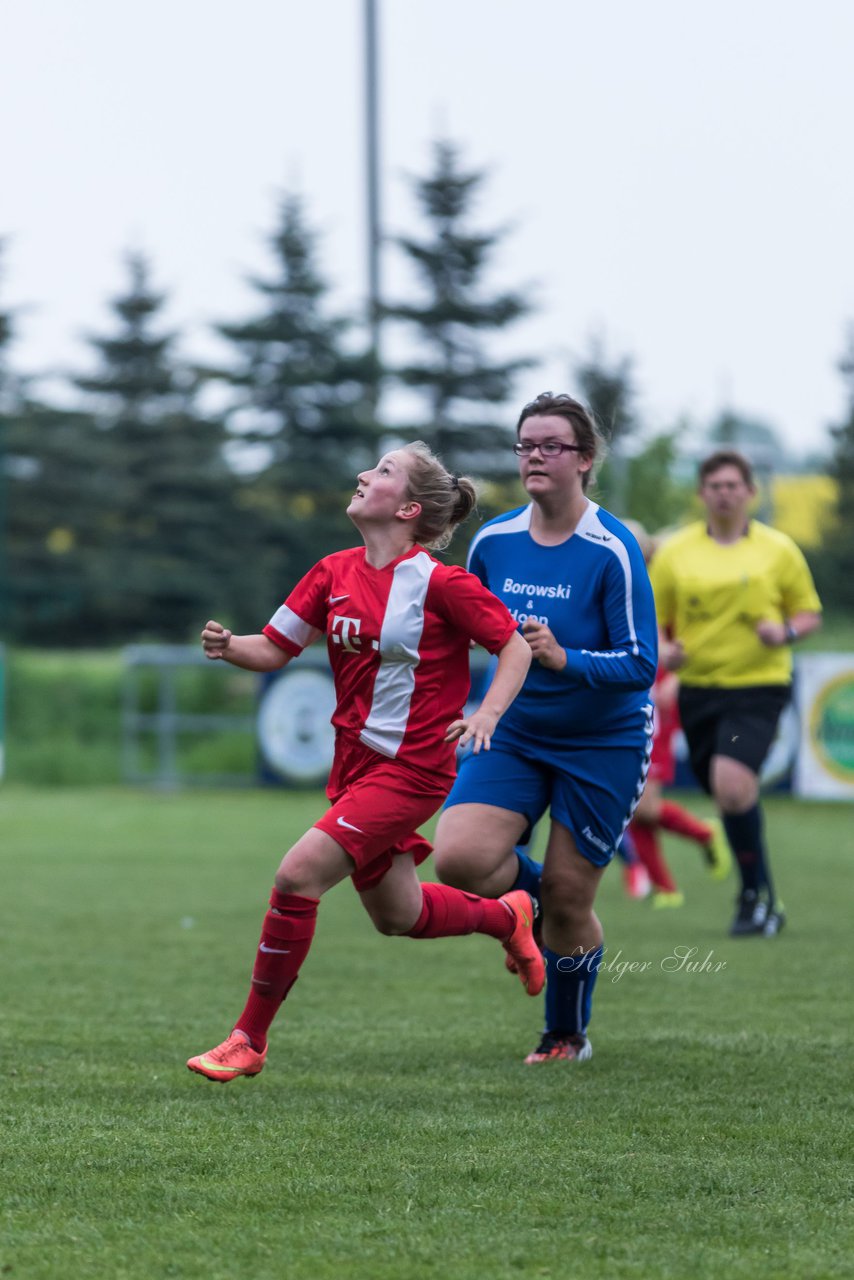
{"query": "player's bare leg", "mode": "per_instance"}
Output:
(474, 848)
(573, 941)
(315, 864)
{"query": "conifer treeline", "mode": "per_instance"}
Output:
(172, 492)
(158, 500)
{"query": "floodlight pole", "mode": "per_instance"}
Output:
(372, 149)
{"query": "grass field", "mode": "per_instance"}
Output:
(395, 1132)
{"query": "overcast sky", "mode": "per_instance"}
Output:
(679, 176)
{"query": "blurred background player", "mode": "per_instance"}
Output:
(732, 597)
(654, 813)
(577, 739)
(398, 626)
(635, 875)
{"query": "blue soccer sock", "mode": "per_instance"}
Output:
(529, 876)
(569, 990)
(745, 836)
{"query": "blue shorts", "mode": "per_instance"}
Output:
(592, 790)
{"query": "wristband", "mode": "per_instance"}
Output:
(791, 634)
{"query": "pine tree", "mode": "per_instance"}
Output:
(637, 478)
(167, 487)
(609, 390)
(465, 393)
(48, 504)
(306, 398)
(54, 537)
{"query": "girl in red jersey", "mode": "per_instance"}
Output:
(398, 625)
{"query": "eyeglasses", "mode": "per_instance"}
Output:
(548, 448)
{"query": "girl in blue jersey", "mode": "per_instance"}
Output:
(577, 739)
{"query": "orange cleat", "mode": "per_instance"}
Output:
(234, 1057)
(521, 946)
(554, 1048)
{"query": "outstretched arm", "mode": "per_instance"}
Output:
(253, 653)
(514, 659)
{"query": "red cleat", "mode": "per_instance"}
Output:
(234, 1057)
(637, 881)
(521, 946)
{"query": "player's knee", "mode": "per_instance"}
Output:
(390, 923)
(734, 785)
(453, 865)
(563, 915)
(735, 795)
(287, 880)
(564, 908)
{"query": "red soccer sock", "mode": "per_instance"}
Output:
(650, 854)
(448, 913)
(285, 941)
(682, 823)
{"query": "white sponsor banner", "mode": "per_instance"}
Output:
(294, 731)
(825, 699)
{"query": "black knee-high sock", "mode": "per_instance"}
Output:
(746, 839)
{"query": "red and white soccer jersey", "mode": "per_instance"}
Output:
(398, 642)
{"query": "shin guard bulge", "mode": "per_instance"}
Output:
(286, 937)
(448, 913)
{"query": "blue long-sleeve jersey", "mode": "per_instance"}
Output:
(593, 592)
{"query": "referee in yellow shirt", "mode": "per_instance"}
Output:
(732, 597)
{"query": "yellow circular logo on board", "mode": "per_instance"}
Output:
(832, 727)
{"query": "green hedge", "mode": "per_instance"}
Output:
(63, 713)
(64, 709)
(63, 717)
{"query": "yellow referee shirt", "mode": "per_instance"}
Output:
(711, 597)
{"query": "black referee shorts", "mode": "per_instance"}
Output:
(738, 723)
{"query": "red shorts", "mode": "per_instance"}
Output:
(662, 764)
(377, 806)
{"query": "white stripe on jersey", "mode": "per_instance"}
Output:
(520, 523)
(400, 636)
(591, 528)
(649, 713)
(291, 626)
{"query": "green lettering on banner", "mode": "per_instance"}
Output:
(832, 727)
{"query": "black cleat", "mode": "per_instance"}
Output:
(774, 922)
(750, 916)
(558, 1048)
